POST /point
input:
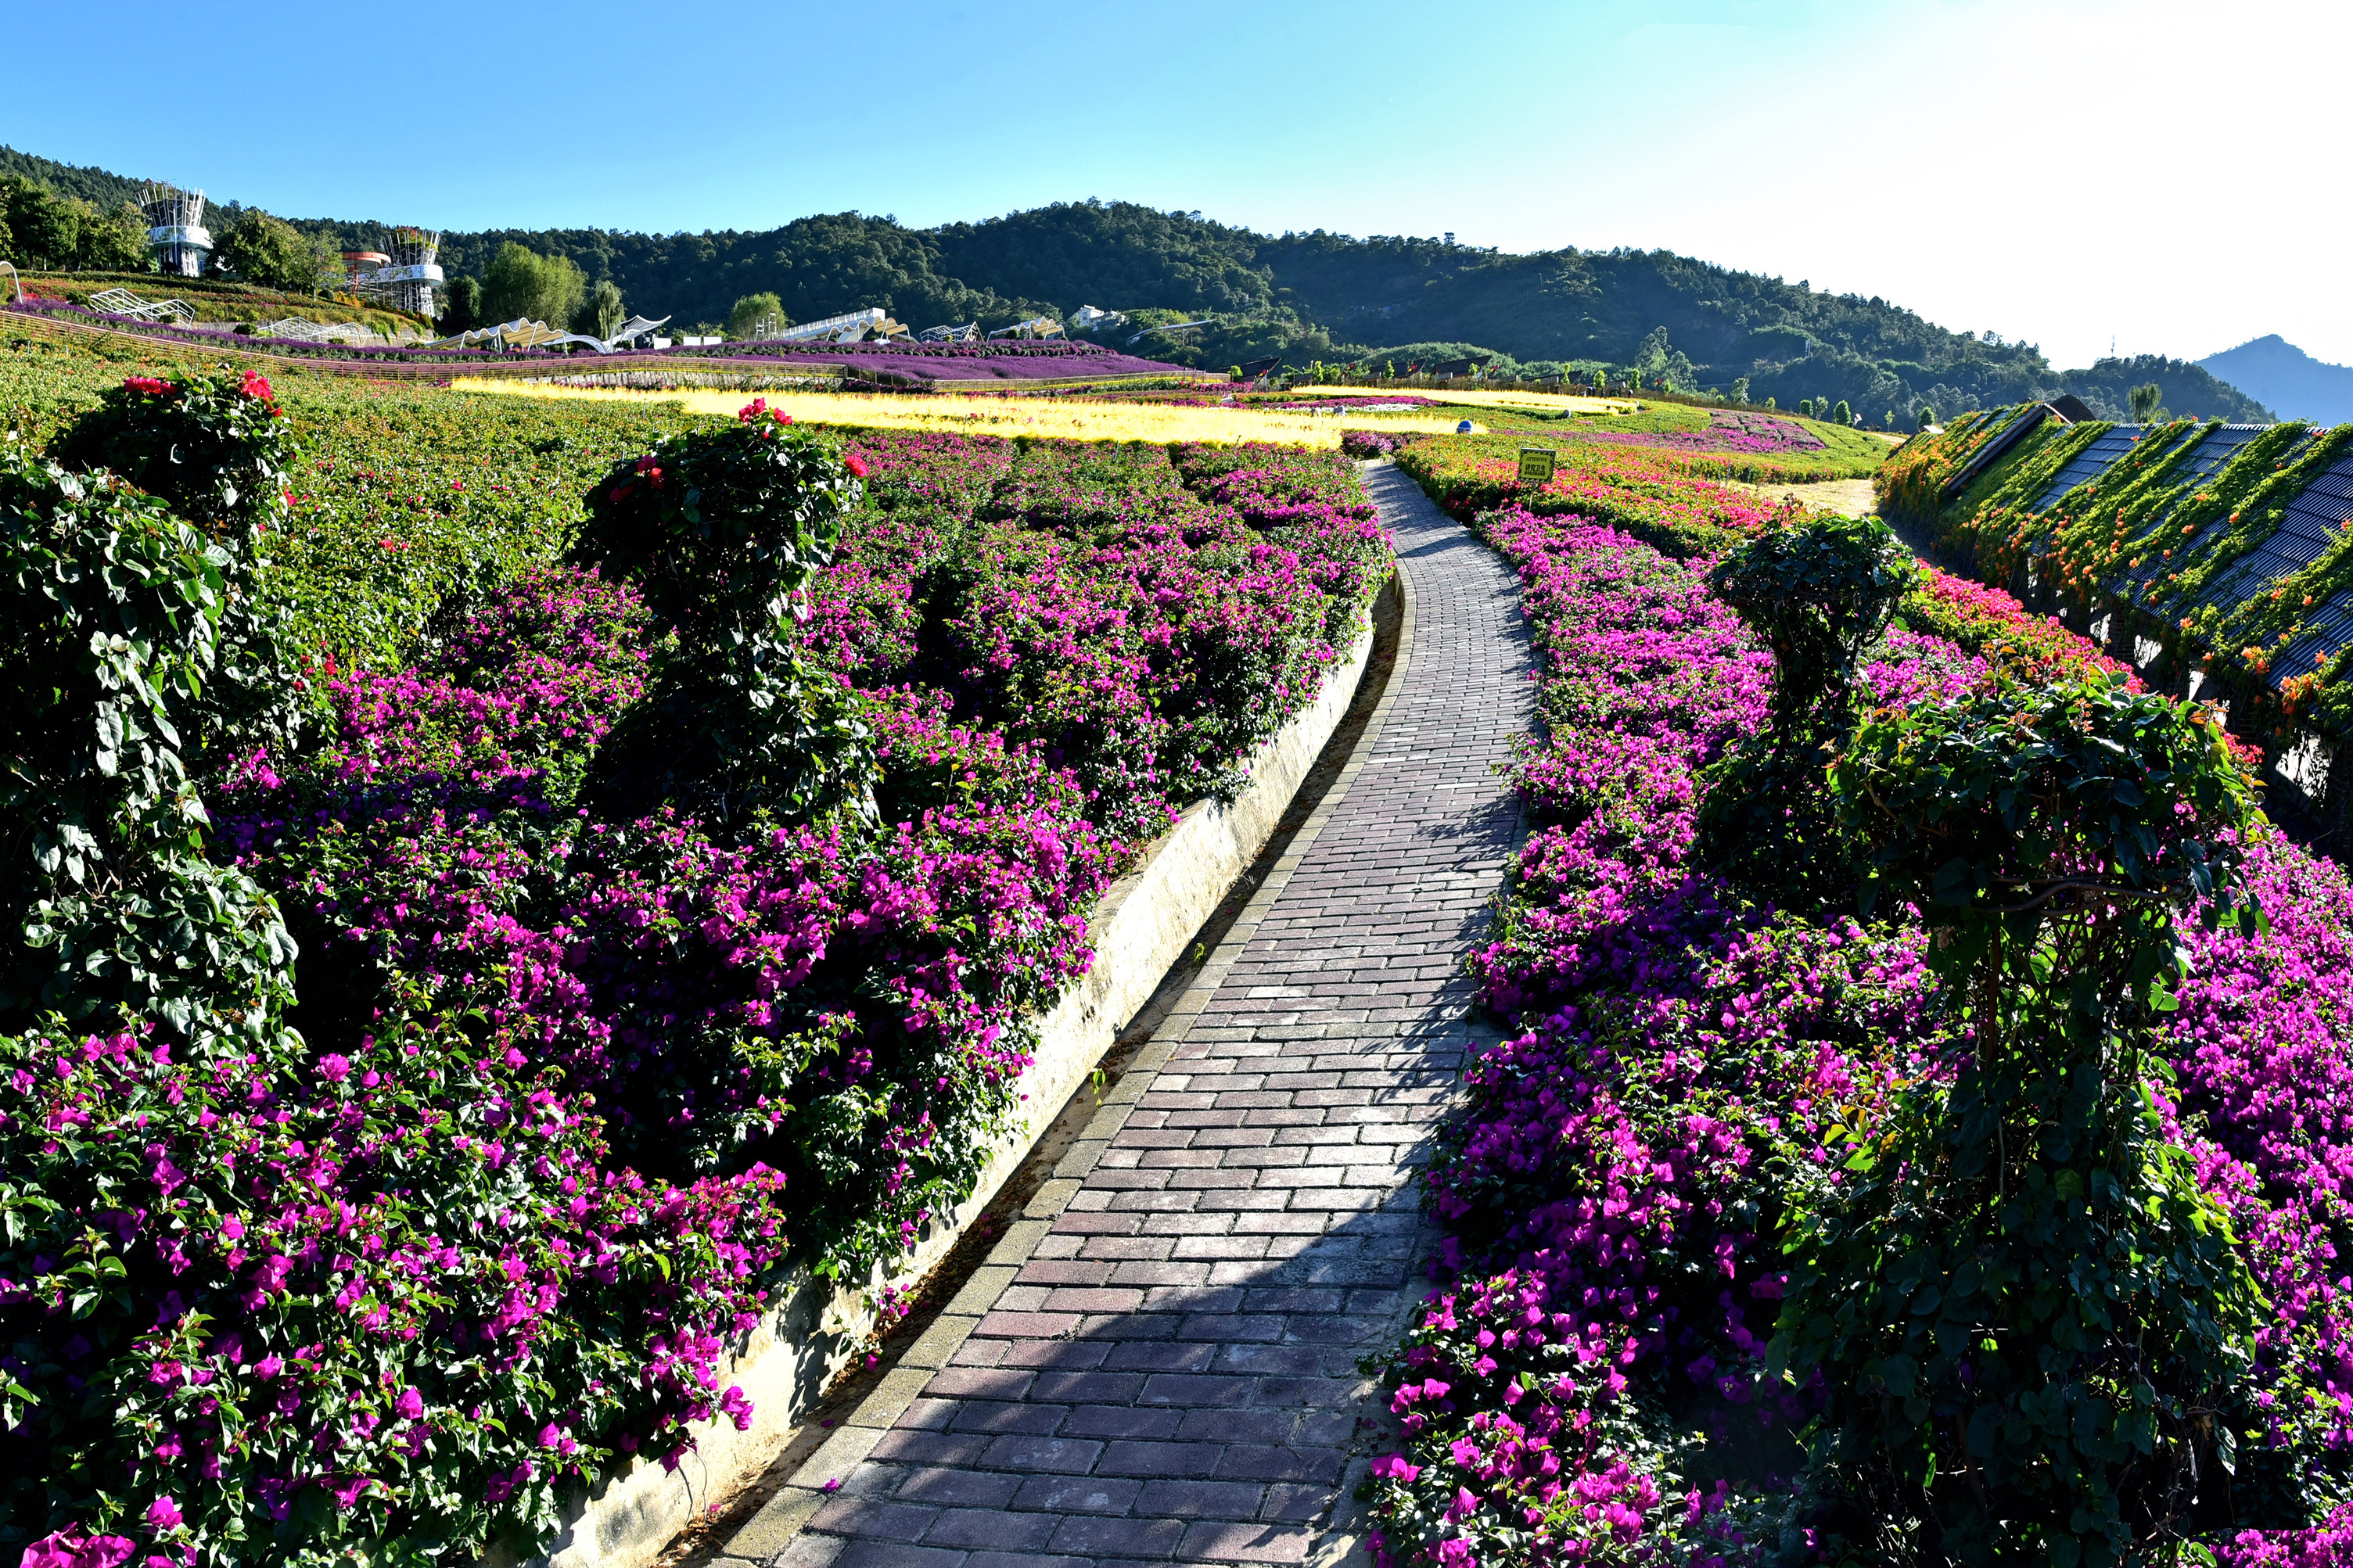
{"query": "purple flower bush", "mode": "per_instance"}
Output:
(1588, 1381)
(572, 1091)
(916, 363)
(1727, 431)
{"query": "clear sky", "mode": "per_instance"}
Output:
(2058, 171)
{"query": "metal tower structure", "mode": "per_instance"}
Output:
(175, 228)
(406, 281)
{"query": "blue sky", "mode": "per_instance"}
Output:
(2062, 172)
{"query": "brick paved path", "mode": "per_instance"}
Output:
(1160, 1363)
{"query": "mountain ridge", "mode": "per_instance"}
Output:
(1314, 295)
(2290, 380)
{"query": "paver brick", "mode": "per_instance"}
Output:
(1164, 1360)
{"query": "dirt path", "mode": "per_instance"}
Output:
(1845, 498)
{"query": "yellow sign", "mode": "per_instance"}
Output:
(1536, 464)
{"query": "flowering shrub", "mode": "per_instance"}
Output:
(721, 532)
(1588, 1381)
(495, 1218)
(1647, 494)
(134, 654)
(1369, 443)
(2185, 558)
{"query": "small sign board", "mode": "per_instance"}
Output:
(1536, 464)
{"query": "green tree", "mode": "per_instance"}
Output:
(46, 226)
(520, 284)
(757, 315)
(2146, 400)
(1890, 423)
(270, 251)
(2036, 1334)
(1927, 416)
(1772, 403)
(1842, 414)
(600, 314)
(112, 241)
(1806, 408)
(1819, 596)
(1739, 389)
(721, 530)
(461, 308)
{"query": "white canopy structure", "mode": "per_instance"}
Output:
(520, 334)
(123, 302)
(1035, 326)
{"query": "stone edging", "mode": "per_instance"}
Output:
(1140, 927)
(772, 1529)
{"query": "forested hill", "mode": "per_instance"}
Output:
(1311, 296)
(101, 189)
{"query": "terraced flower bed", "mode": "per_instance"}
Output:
(547, 899)
(1635, 1350)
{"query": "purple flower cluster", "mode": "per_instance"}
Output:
(1054, 359)
(501, 1212)
(1608, 1195)
(1727, 431)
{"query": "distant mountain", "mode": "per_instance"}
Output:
(2290, 380)
(2186, 390)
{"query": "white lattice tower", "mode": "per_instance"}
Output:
(408, 281)
(175, 228)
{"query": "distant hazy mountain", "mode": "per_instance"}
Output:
(2187, 391)
(2275, 371)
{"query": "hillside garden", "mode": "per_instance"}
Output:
(1917, 1138)
(504, 882)
(2224, 548)
(507, 878)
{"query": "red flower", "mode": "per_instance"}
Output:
(856, 464)
(256, 387)
(146, 383)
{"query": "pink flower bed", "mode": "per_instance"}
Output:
(572, 1093)
(1609, 1265)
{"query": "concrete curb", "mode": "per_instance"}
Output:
(1140, 930)
(775, 1527)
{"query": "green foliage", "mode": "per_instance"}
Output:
(2148, 402)
(1842, 414)
(215, 450)
(269, 251)
(519, 283)
(721, 531)
(757, 315)
(46, 226)
(1927, 416)
(461, 306)
(112, 240)
(2034, 1336)
(1819, 595)
(601, 314)
(111, 607)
